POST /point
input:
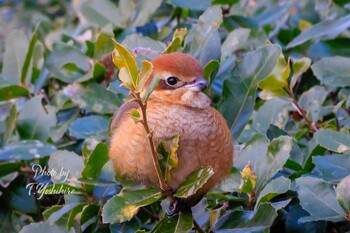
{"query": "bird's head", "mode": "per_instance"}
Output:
(181, 80)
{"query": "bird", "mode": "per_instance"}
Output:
(177, 106)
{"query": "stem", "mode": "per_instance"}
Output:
(163, 185)
(197, 227)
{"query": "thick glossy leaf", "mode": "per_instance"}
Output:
(343, 193)
(238, 95)
(9, 167)
(68, 166)
(210, 70)
(150, 88)
(33, 121)
(273, 14)
(333, 71)
(96, 161)
(333, 168)
(67, 63)
(235, 40)
(29, 55)
(274, 188)
(328, 28)
(13, 91)
(62, 211)
(242, 221)
(299, 67)
(180, 223)
(333, 140)
(14, 56)
(96, 126)
(311, 101)
(92, 97)
(128, 71)
(103, 45)
(89, 215)
(248, 180)
(194, 182)
(203, 40)
(319, 199)
(125, 205)
(198, 5)
(42, 227)
(73, 213)
(26, 150)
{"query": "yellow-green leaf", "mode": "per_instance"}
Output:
(178, 38)
(146, 71)
(126, 63)
(248, 179)
(135, 115)
(168, 150)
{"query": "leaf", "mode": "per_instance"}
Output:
(312, 100)
(277, 81)
(73, 213)
(168, 150)
(59, 213)
(343, 193)
(96, 161)
(248, 178)
(238, 95)
(150, 89)
(198, 5)
(329, 28)
(203, 40)
(235, 40)
(68, 166)
(180, 223)
(93, 97)
(33, 121)
(273, 14)
(67, 63)
(96, 126)
(135, 115)
(89, 215)
(319, 199)
(333, 168)
(272, 189)
(12, 91)
(333, 71)
(29, 55)
(178, 37)
(194, 182)
(10, 124)
(124, 206)
(147, 69)
(9, 167)
(26, 150)
(210, 70)
(242, 221)
(103, 45)
(128, 71)
(41, 227)
(333, 140)
(14, 57)
(299, 66)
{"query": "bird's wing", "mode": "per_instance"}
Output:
(122, 113)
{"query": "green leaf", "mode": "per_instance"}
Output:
(299, 66)
(125, 205)
(26, 150)
(126, 63)
(33, 121)
(333, 71)
(9, 167)
(248, 180)
(241, 221)
(89, 216)
(29, 55)
(96, 126)
(180, 223)
(73, 213)
(203, 40)
(62, 58)
(93, 97)
(150, 88)
(135, 115)
(10, 123)
(332, 167)
(168, 150)
(103, 45)
(42, 227)
(319, 199)
(146, 71)
(96, 161)
(272, 189)
(12, 91)
(333, 140)
(311, 101)
(210, 70)
(197, 5)
(273, 14)
(178, 38)
(14, 57)
(68, 166)
(238, 95)
(59, 213)
(194, 182)
(324, 28)
(343, 193)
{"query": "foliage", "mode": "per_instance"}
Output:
(278, 71)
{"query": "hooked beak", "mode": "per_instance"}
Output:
(199, 84)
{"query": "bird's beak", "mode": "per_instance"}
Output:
(199, 84)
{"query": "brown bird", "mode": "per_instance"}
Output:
(176, 107)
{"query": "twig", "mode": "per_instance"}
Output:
(197, 227)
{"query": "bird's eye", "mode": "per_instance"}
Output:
(171, 81)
